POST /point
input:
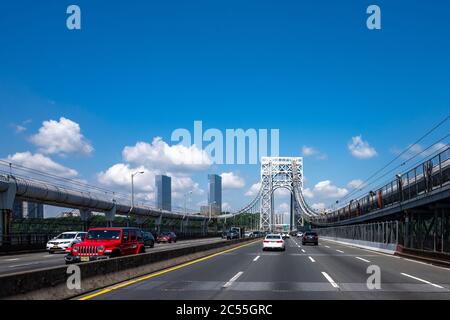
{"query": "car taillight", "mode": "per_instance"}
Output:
(266, 241)
(280, 241)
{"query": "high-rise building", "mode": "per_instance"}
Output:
(35, 210)
(163, 192)
(215, 191)
(17, 209)
(25, 209)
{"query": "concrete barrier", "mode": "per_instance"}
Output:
(51, 283)
(389, 248)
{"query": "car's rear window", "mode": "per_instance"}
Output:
(273, 237)
(311, 233)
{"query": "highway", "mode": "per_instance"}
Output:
(31, 261)
(327, 271)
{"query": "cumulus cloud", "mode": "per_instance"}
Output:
(254, 189)
(310, 151)
(159, 154)
(61, 137)
(361, 149)
(119, 176)
(307, 193)
(42, 163)
(232, 181)
(325, 189)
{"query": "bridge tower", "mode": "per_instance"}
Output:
(280, 172)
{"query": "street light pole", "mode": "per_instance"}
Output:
(132, 193)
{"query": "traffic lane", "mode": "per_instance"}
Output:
(343, 266)
(284, 275)
(393, 267)
(34, 261)
(204, 279)
(350, 276)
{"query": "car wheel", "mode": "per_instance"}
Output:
(152, 245)
(51, 252)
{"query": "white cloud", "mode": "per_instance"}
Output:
(119, 175)
(325, 189)
(232, 181)
(307, 193)
(160, 155)
(61, 137)
(254, 189)
(226, 207)
(361, 149)
(42, 163)
(356, 183)
(310, 151)
(284, 207)
(19, 128)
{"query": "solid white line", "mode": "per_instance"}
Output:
(339, 251)
(303, 250)
(330, 280)
(256, 258)
(14, 259)
(230, 282)
(312, 260)
(327, 247)
(418, 279)
(362, 259)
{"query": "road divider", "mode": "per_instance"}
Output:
(52, 283)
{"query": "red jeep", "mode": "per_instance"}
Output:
(104, 243)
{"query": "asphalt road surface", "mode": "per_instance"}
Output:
(26, 262)
(327, 271)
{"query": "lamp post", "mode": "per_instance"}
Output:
(132, 187)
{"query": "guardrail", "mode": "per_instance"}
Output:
(379, 232)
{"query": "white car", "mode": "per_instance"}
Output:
(299, 234)
(273, 241)
(65, 240)
(286, 235)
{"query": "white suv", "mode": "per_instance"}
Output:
(65, 240)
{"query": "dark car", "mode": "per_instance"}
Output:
(167, 236)
(149, 239)
(232, 235)
(310, 237)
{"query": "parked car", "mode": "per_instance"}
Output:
(232, 235)
(248, 234)
(64, 241)
(310, 237)
(167, 236)
(148, 238)
(104, 243)
(273, 241)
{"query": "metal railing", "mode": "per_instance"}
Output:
(379, 232)
(429, 176)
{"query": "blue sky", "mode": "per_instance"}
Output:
(139, 70)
